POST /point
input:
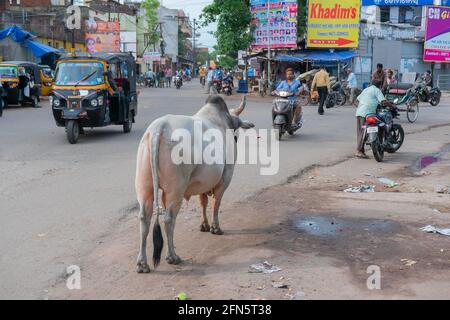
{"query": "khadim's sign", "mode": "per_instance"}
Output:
(333, 24)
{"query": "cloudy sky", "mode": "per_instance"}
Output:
(193, 8)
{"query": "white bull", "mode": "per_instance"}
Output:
(156, 170)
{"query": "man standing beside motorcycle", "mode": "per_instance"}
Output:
(368, 100)
(295, 86)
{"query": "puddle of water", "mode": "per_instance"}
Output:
(324, 226)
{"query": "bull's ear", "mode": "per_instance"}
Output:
(246, 124)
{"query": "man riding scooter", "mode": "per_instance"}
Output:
(296, 87)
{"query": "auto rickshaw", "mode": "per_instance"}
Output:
(47, 75)
(94, 90)
(15, 83)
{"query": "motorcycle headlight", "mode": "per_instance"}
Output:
(100, 100)
(56, 102)
(94, 102)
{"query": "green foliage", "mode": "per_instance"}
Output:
(301, 17)
(233, 19)
(202, 57)
(182, 48)
(151, 15)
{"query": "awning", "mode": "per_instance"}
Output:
(318, 56)
(40, 49)
(25, 38)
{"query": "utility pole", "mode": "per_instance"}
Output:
(73, 34)
(195, 51)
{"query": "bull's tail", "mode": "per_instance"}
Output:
(158, 241)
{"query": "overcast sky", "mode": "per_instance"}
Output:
(193, 8)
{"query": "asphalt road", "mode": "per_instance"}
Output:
(58, 201)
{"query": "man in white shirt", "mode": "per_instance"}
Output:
(352, 85)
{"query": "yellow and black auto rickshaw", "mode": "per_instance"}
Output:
(47, 75)
(94, 90)
(16, 85)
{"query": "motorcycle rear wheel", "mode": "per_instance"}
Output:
(378, 151)
(280, 133)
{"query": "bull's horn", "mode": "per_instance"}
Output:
(241, 108)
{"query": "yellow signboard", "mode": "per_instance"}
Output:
(333, 24)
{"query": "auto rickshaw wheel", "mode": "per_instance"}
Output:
(128, 124)
(1, 106)
(73, 131)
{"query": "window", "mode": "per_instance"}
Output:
(385, 14)
(411, 15)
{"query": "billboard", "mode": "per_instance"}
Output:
(437, 35)
(396, 3)
(102, 36)
(275, 25)
(333, 24)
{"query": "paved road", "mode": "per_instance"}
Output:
(58, 201)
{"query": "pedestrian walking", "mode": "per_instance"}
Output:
(321, 83)
(162, 76)
(210, 79)
(352, 84)
(168, 75)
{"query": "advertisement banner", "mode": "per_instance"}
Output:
(333, 24)
(397, 2)
(102, 36)
(151, 56)
(437, 35)
(276, 25)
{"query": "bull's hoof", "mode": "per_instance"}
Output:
(142, 267)
(205, 227)
(216, 230)
(174, 260)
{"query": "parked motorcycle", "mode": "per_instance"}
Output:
(283, 113)
(433, 96)
(382, 134)
(336, 96)
(178, 82)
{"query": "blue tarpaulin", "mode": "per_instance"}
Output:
(318, 56)
(25, 38)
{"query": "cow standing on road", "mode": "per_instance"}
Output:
(157, 170)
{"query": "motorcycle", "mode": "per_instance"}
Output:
(433, 96)
(283, 113)
(150, 82)
(336, 96)
(347, 92)
(227, 86)
(178, 82)
(217, 85)
(382, 134)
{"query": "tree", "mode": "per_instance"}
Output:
(301, 17)
(202, 57)
(151, 15)
(234, 30)
(182, 47)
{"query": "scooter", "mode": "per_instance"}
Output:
(283, 114)
(217, 84)
(382, 134)
(178, 82)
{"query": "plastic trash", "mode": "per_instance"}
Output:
(181, 296)
(360, 189)
(264, 267)
(433, 229)
(390, 183)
